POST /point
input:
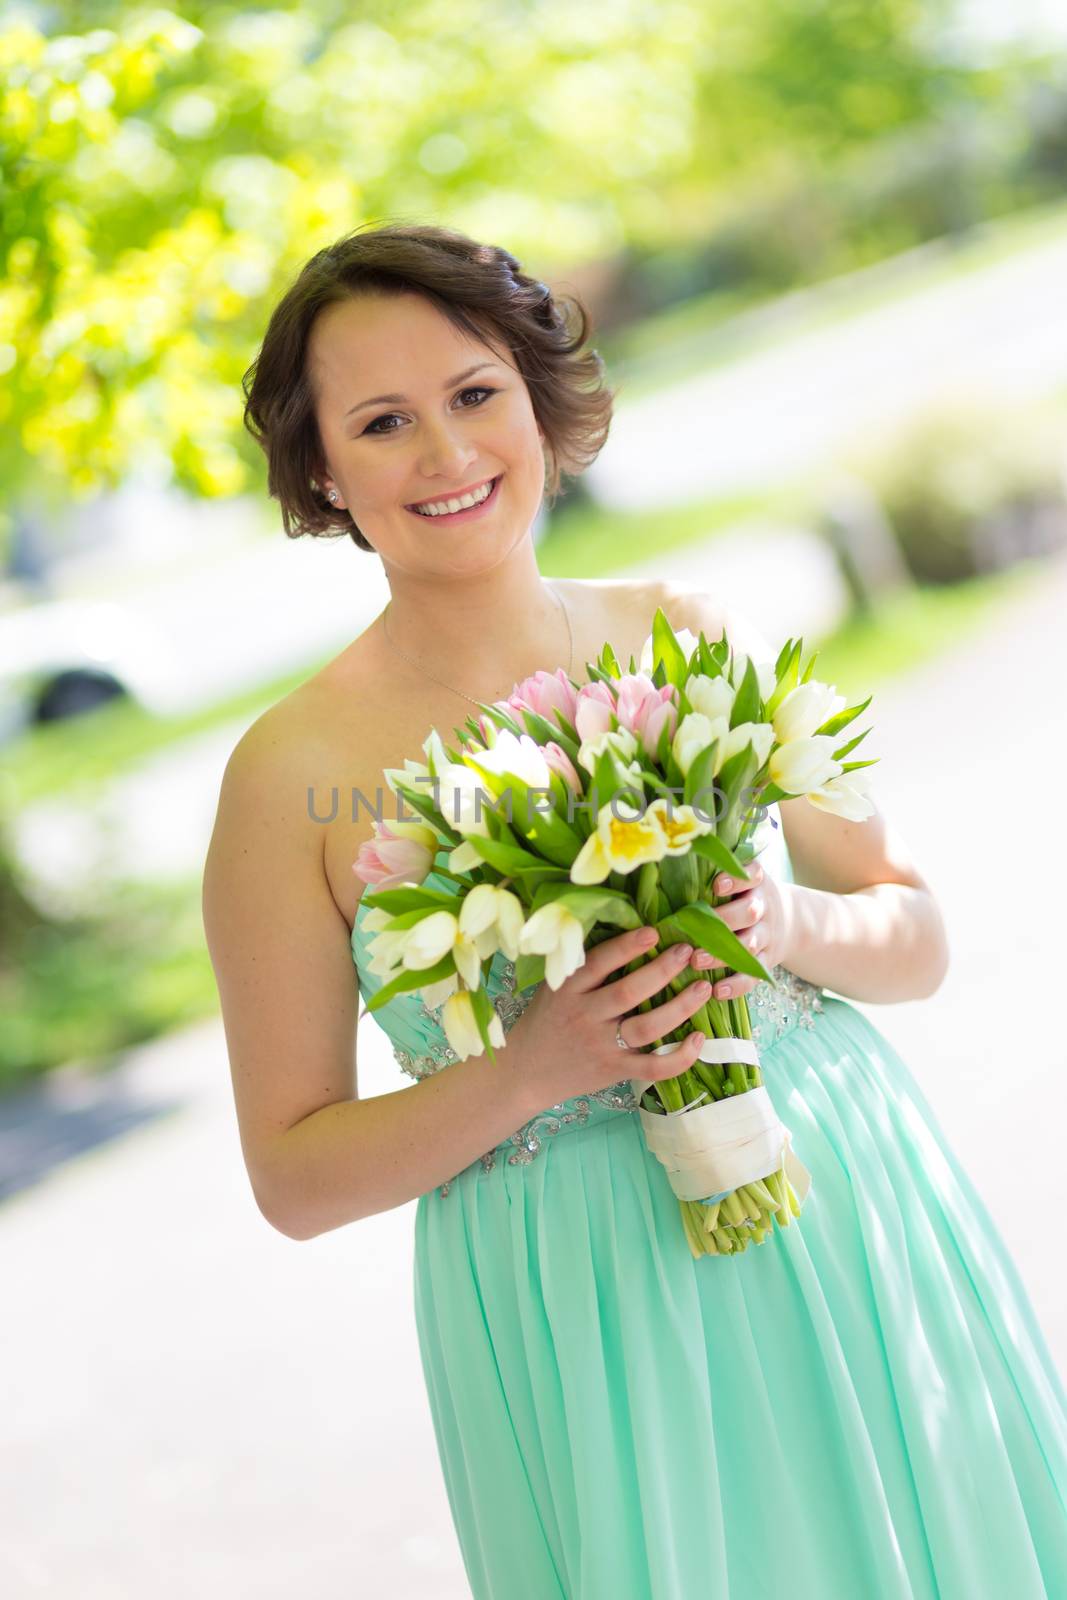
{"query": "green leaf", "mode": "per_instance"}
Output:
(647, 891)
(746, 706)
(552, 836)
(700, 780)
(787, 678)
(610, 661)
(421, 800)
(414, 898)
(843, 718)
(703, 927)
(679, 878)
(667, 650)
(483, 1010)
(851, 766)
(529, 970)
(407, 980)
(711, 847)
(591, 903)
(845, 749)
(507, 858)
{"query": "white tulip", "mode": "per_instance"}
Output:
(493, 918)
(464, 856)
(461, 1030)
(711, 697)
(376, 919)
(385, 952)
(408, 773)
(804, 764)
(435, 936)
(515, 757)
(464, 799)
(619, 740)
(693, 734)
(760, 735)
(845, 796)
(804, 709)
(435, 994)
(558, 935)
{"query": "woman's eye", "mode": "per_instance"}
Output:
(373, 427)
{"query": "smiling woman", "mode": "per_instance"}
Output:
(481, 289)
(603, 1404)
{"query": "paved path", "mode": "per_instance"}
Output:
(999, 332)
(198, 1405)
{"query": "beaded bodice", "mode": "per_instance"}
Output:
(421, 1047)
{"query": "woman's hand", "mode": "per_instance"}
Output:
(564, 1043)
(758, 912)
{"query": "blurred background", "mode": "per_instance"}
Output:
(825, 250)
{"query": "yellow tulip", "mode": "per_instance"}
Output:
(618, 843)
(680, 825)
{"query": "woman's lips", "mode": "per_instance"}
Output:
(468, 512)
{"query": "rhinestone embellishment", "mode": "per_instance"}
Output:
(773, 1012)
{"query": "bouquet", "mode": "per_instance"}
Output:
(623, 798)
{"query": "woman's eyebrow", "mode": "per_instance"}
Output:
(401, 399)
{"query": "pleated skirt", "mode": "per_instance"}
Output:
(861, 1408)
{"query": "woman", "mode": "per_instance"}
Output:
(863, 1405)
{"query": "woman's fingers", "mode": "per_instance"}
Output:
(611, 954)
(646, 1064)
(627, 992)
(644, 1027)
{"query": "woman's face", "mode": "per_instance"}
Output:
(443, 430)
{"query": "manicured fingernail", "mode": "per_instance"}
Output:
(726, 992)
(725, 885)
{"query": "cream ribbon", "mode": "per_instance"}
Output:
(710, 1150)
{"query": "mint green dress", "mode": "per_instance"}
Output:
(863, 1407)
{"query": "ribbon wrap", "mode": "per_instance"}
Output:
(710, 1150)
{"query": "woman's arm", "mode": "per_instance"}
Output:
(316, 1155)
(859, 918)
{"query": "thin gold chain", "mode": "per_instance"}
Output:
(385, 629)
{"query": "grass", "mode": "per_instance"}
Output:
(915, 626)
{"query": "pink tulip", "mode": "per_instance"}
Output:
(644, 709)
(594, 710)
(544, 693)
(560, 762)
(657, 712)
(387, 860)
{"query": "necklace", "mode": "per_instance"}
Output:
(385, 629)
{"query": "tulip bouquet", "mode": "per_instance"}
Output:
(623, 798)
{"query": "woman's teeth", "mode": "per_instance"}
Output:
(439, 508)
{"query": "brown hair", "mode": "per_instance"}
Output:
(483, 291)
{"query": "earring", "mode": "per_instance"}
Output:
(332, 497)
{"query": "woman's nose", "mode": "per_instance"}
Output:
(446, 449)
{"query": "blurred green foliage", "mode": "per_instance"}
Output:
(165, 175)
